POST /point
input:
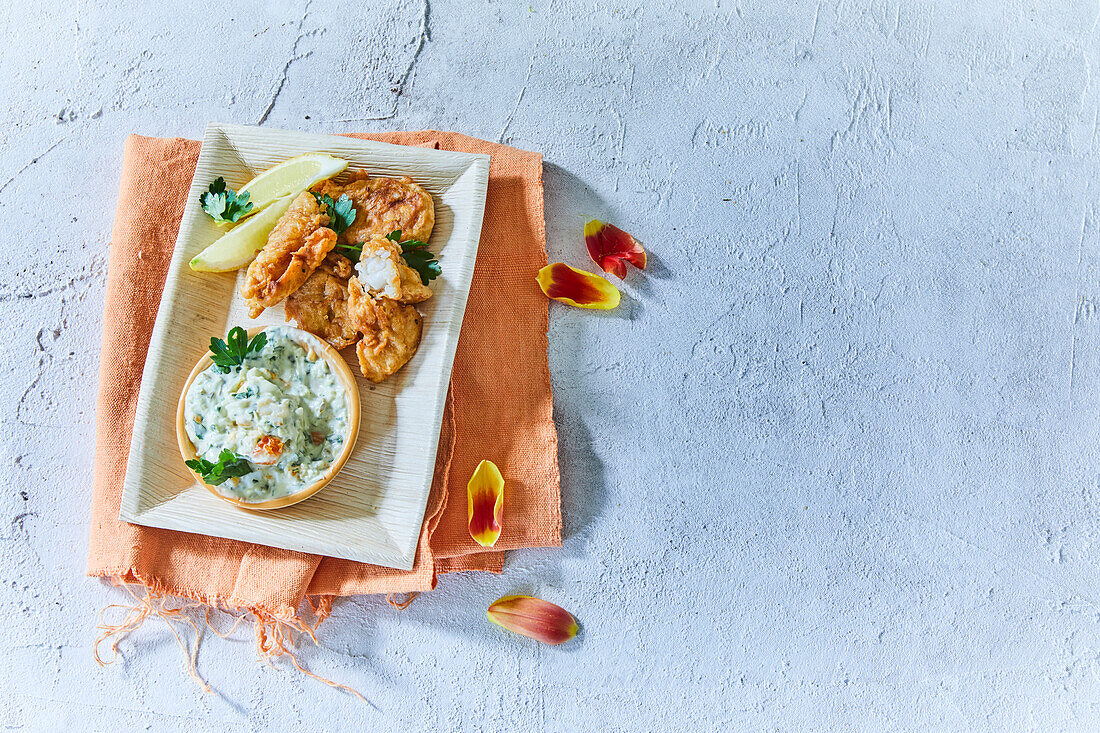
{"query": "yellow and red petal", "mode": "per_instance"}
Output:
(535, 618)
(577, 287)
(611, 248)
(485, 503)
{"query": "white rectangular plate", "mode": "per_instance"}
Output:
(373, 510)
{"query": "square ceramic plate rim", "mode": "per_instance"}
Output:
(399, 554)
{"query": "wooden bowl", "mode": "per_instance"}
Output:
(351, 391)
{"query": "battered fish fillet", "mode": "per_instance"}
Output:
(383, 272)
(294, 249)
(391, 332)
(384, 205)
(320, 306)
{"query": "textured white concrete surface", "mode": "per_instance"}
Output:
(833, 464)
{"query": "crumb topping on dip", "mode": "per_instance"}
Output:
(283, 409)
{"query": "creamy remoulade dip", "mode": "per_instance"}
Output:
(283, 408)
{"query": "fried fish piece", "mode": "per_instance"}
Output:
(391, 332)
(296, 246)
(332, 188)
(384, 205)
(320, 306)
(382, 271)
(337, 265)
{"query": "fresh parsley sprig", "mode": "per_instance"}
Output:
(341, 212)
(418, 257)
(229, 465)
(224, 204)
(231, 352)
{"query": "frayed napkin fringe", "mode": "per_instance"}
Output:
(273, 630)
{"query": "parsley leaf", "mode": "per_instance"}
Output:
(341, 212)
(224, 204)
(231, 352)
(418, 257)
(229, 465)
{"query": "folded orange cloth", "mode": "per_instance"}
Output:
(499, 407)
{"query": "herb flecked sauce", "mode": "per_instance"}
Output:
(286, 391)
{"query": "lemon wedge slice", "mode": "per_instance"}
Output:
(292, 176)
(236, 248)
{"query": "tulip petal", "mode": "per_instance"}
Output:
(577, 287)
(485, 503)
(611, 248)
(534, 618)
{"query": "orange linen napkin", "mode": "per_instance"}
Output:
(499, 407)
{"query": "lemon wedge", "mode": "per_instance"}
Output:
(292, 176)
(236, 249)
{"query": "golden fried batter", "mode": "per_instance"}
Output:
(383, 272)
(391, 332)
(320, 306)
(334, 189)
(375, 301)
(294, 249)
(384, 205)
(337, 265)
